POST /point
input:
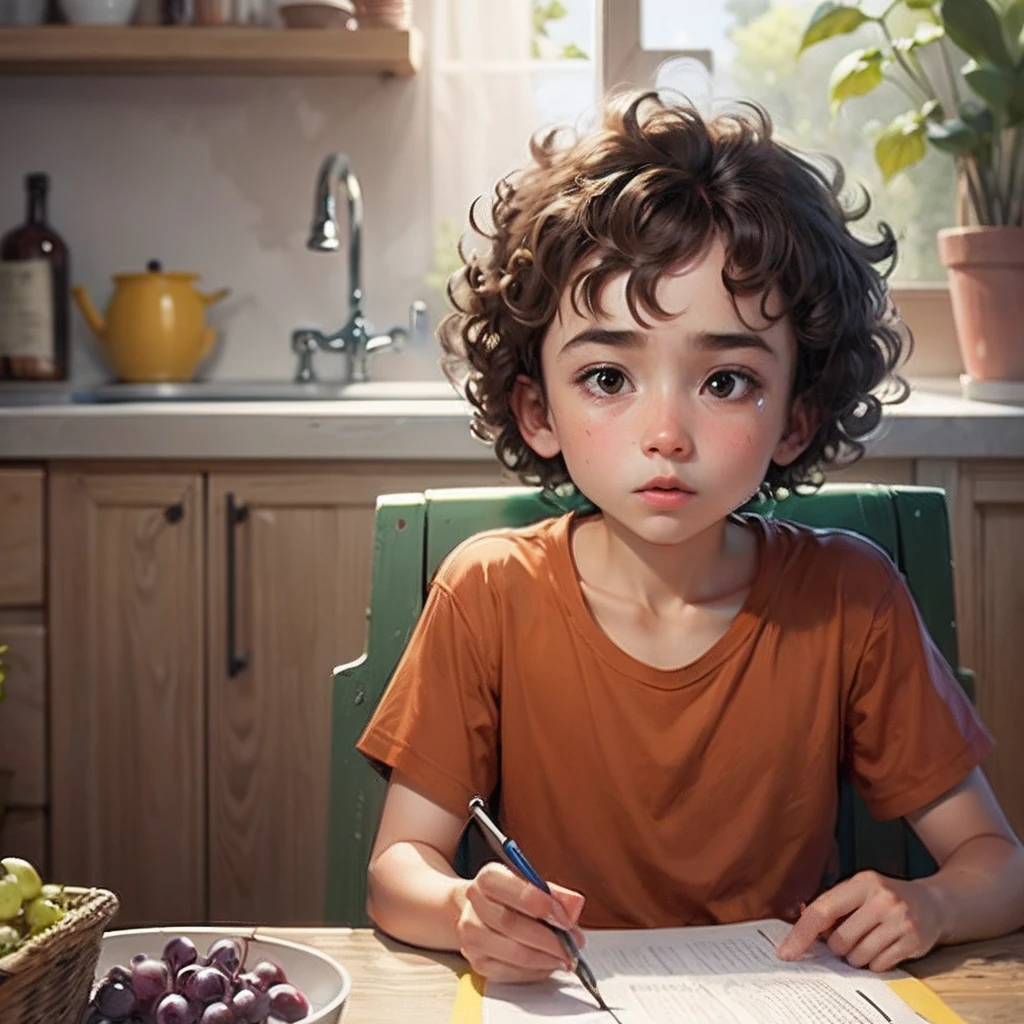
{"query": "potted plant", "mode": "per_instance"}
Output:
(972, 111)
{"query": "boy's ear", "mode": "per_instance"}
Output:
(530, 409)
(800, 431)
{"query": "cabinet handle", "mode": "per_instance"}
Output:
(174, 513)
(237, 514)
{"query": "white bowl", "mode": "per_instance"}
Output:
(98, 12)
(22, 12)
(324, 981)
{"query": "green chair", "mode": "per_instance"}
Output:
(414, 532)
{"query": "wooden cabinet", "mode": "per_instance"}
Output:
(989, 557)
(23, 761)
(200, 615)
(21, 539)
(128, 688)
(195, 614)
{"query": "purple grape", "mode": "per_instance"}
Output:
(119, 973)
(253, 998)
(114, 999)
(287, 1003)
(225, 954)
(269, 974)
(208, 985)
(90, 1015)
(183, 979)
(174, 1009)
(179, 952)
(243, 1002)
(151, 980)
(218, 1013)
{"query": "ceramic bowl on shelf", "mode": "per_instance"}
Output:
(98, 12)
(324, 981)
(318, 14)
(22, 12)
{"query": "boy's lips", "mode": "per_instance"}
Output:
(665, 492)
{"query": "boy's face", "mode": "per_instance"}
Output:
(666, 428)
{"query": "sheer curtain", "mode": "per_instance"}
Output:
(499, 71)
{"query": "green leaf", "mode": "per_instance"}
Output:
(978, 117)
(901, 144)
(974, 26)
(572, 52)
(957, 137)
(920, 5)
(829, 20)
(927, 33)
(1011, 16)
(994, 85)
(924, 35)
(855, 75)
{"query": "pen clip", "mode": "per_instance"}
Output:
(478, 809)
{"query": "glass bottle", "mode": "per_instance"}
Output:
(34, 294)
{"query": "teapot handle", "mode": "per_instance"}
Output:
(209, 337)
(216, 296)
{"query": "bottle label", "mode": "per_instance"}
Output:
(26, 308)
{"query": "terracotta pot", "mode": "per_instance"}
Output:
(986, 288)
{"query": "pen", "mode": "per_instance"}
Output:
(514, 858)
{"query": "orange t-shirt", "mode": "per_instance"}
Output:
(698, 795)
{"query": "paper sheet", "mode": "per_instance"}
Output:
(727, 974)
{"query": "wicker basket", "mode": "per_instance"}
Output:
(48, 980)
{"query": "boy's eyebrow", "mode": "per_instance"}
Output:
(718, 341)
(619, 338)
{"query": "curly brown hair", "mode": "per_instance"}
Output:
(649, 190)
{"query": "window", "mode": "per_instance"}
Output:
(752, 45)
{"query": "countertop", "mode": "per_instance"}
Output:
(935, 422)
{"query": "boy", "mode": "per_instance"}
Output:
(673, 316)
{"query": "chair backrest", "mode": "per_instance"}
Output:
(414, 532)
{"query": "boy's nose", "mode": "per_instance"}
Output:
(666, 432)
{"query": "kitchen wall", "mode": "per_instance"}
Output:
(216, 175)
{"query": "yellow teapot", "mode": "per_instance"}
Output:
(155, 329)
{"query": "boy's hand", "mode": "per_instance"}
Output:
(870, 920)
(499, 928)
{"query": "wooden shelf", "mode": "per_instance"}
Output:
(171, 50)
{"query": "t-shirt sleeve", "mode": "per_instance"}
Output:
(911, 733)
(437, 722)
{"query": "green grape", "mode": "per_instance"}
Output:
(28, 878)
(40, 914)
(10, 897)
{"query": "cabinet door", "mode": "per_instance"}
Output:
(23, 715)
(989, 558)
(21, 540)
(127, 711)
(288, 586)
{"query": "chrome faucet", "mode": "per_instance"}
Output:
(355, 340)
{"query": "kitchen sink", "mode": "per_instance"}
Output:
(229, 391)
(268, 391)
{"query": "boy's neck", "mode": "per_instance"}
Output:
(708, 568)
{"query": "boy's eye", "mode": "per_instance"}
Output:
(729, 384)
(608, 380)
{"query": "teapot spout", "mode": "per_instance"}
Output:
(212, 297)
(89, 311)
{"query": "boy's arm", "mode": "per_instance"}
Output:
(415, 895)
(978, 891)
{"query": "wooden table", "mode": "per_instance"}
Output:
(396, 984)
